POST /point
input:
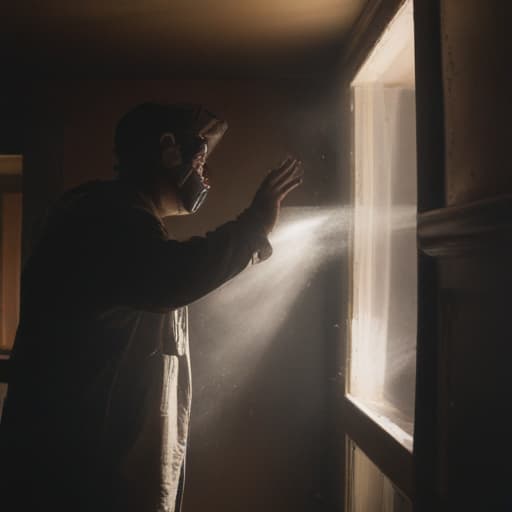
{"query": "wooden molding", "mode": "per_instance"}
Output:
(366, 32)
(459, 230)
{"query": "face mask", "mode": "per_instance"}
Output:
(191, 181)
(193, 184)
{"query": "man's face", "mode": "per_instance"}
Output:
(170, 151)
(174, 157)
(184, 167)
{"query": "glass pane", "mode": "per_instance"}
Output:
(10, 247)
(368, 489)
(382, 365)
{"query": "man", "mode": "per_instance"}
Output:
(99, 399)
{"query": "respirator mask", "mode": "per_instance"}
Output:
(183, 135)
(187, 153)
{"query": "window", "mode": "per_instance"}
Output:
(381, 362)
(369, 489)
(10, 247)
(10, 254)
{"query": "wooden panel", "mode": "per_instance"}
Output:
(477, 81)
(472, 245)
(462, 230)
(430, 136)
(475, 417)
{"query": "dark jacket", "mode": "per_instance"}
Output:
(97, 412)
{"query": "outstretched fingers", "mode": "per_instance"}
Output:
(288, 187)
(277, 174)
(286, 172)
(282, 180)
(275, 187)
(292, 176)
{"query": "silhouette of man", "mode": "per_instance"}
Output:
(97, 413)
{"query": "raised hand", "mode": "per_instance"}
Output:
(274, 188)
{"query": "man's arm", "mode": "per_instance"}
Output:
(154, 273)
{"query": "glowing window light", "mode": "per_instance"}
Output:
(369, 490)
(10, 247)
(382, 355)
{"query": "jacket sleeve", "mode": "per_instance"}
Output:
(152, 272)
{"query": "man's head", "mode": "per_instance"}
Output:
(163, 148)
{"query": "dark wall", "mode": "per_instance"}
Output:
(471, 245)
(11, 124)
(258, 436)
(478, 109)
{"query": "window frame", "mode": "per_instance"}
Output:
(11, 172)
(415, 474)
(388, 454)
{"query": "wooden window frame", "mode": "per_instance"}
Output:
(413, 473)
(10, 262)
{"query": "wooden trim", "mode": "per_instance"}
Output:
(466, 229)
(430, 132)
(367, 31)
(430, 148)
(393, 459)
(11, 164)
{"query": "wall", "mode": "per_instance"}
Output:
(477, 99)
(470, 244)
(258, 436)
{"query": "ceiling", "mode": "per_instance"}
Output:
(167, 37)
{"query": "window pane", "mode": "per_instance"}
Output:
(368, 489)
(10, 247)
(382, 363)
